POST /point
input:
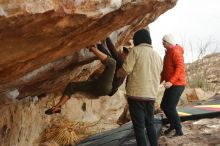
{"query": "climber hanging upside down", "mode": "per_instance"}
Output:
(106, 84)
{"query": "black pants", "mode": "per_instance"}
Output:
(142, 116)
(168, 105)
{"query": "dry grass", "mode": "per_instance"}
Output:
(67, 133)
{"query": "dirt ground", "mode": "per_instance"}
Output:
(204, 132)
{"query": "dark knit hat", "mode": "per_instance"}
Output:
(142, 36)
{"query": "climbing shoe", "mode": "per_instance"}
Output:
(53, 110)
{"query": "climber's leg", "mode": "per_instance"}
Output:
(71, 88)
(104, 83)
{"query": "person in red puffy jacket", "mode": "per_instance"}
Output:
(173, 78)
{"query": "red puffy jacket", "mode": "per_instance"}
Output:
(173, 67)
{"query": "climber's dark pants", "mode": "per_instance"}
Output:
(99, 87)
(168, 105)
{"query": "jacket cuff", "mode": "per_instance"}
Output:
(171, 81)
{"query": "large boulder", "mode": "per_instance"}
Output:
(40, 40)
(42, 49)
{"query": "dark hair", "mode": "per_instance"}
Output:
(142, 36)
(125, 50)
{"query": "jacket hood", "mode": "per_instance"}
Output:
(179, 48)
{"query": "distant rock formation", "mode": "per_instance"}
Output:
(205, 73)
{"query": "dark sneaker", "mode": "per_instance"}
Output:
(178, 133)
(166, 132)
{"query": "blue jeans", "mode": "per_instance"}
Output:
(142, 116)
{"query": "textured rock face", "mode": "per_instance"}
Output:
(41, 50)
(23, 122)
(42, 33)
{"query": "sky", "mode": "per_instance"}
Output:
(194, 24)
